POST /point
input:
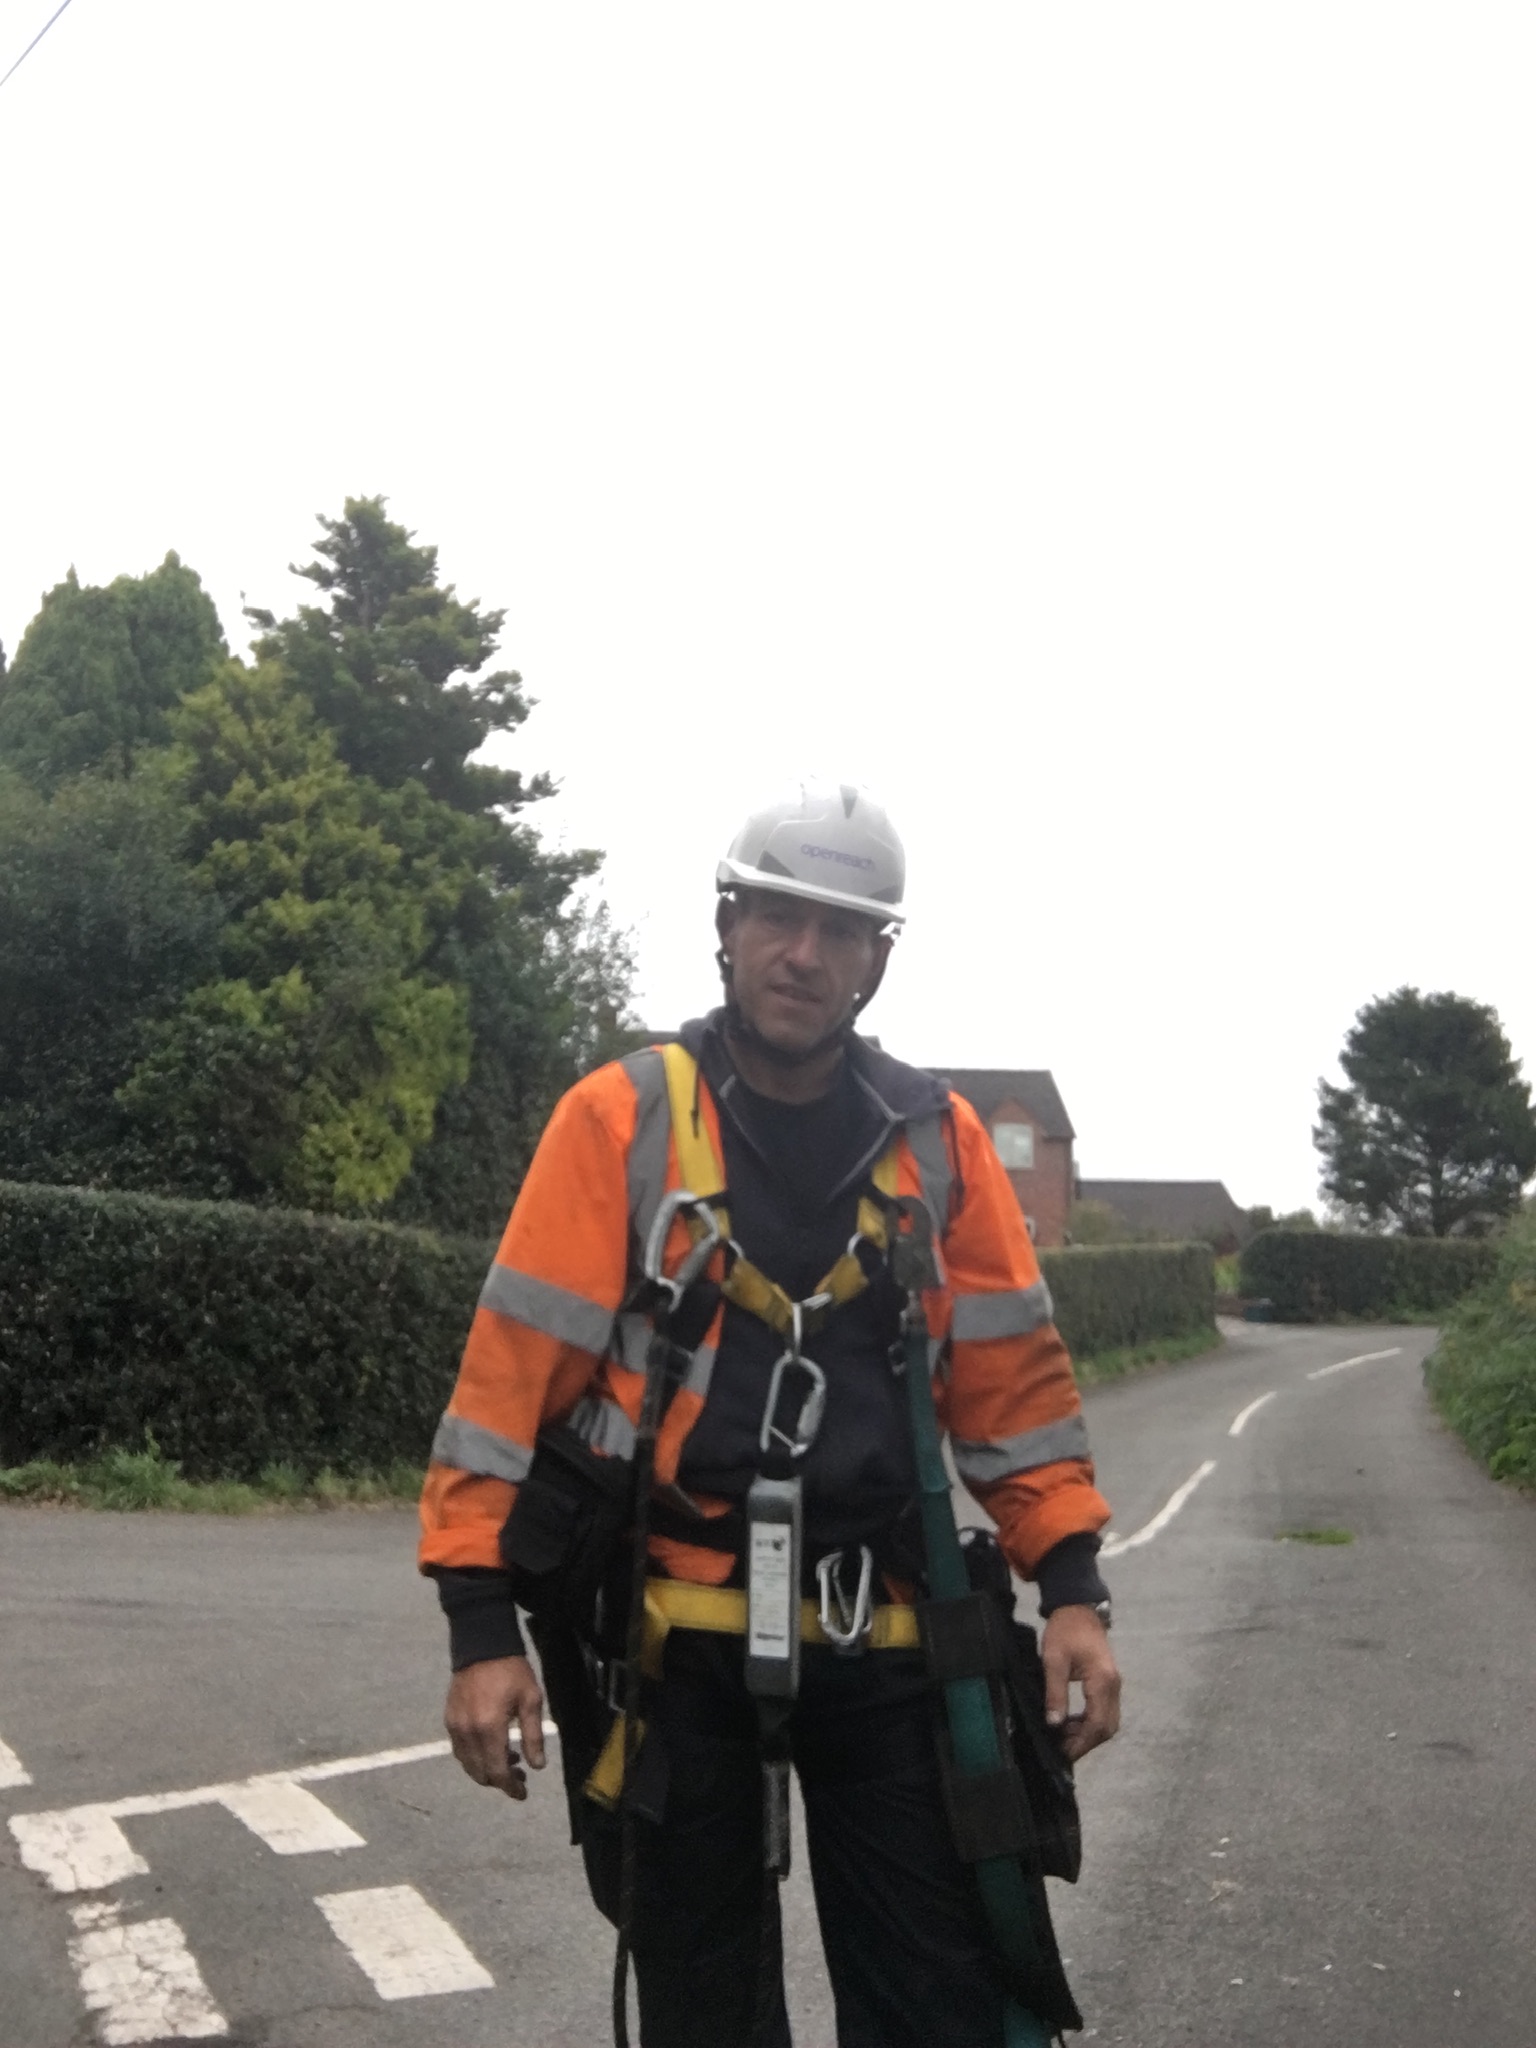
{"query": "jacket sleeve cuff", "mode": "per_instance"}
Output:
(482, 1617)
(1068, 1574)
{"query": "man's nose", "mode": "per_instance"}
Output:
(804, 949)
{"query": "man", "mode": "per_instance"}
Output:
(806, 1121)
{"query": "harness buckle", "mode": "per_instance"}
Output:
(674, 1203)
(847, 1634)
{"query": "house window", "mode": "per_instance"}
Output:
(1015, 1146)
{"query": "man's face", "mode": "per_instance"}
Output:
(797, 967)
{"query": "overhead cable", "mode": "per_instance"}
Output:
(26, 53)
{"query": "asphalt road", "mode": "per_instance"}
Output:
(1319, 1824)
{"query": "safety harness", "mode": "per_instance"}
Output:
(965, 1642)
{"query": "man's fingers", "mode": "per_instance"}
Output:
(1100, 1718)
(484, 1701)
(1058, 1672)
(530, 1717)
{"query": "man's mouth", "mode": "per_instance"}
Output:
(802, 998)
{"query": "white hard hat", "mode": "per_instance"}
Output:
(828, 842)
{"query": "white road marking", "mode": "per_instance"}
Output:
(11, 1771)
(78, 1851)
(1164, 1515)
(1252, 1409)
(81, 1848)
(378, 1760)
(288, 1819)
(141, 1980)
(1365, 1358)
(396, 1939)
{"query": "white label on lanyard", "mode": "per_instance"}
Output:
(771, 1592)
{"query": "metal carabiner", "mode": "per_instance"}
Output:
(847, 1633)
(812, 1408)
(671, 1206)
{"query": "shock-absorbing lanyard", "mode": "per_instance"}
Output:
(973, 1731)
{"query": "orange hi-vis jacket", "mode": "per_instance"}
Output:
(552, 1342)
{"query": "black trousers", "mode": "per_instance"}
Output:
(901, 1926)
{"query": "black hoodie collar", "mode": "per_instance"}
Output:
(901, 1093)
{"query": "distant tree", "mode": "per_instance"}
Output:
(99, 670)
(1434, 1133)
(1090, 1222)
(1262, 1217)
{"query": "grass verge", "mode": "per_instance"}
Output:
(145, 1479)
(1316, 1536)
(1482, 1374)
(1115, 1365)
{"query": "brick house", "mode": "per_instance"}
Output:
(1191, 1211)
(1033, 1135)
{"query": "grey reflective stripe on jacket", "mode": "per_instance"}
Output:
(648, 1150)
(634, 1343)
(1013, 1312)
(555, 1311)
(981, 1464)
(925, 1135)
(603, 1426)
(471, 1447)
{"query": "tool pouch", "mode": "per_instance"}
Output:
(564, 1543)
(988, 1812)
(1036, 1750)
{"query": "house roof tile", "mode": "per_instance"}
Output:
(986, 1089)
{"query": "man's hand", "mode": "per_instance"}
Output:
(483, 1702)
(1075, 1646)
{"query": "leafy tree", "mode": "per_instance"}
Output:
(1434, 1133)
(369, 978)
(312, 1067)
(393, 665)
(98, 671)
(103, 928)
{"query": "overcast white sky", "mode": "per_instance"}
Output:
(1109, 432)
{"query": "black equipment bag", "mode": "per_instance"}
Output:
(565, 1543)
(1057, 1849)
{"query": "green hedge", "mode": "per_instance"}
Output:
(1115, 1296)
(1319, 1276)
(234, 1338)
(1482, 1373)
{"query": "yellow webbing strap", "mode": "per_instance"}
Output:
(721, 1611)
(700, 1171)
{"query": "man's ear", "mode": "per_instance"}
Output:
(872, 981)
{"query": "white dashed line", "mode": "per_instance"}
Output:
(1164, 1515)
(82, 1850)
(1365, 1358)
(11, 1771)
(141, 1979)
(1252, 1409)
(405, 1948)
(291, 1821)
